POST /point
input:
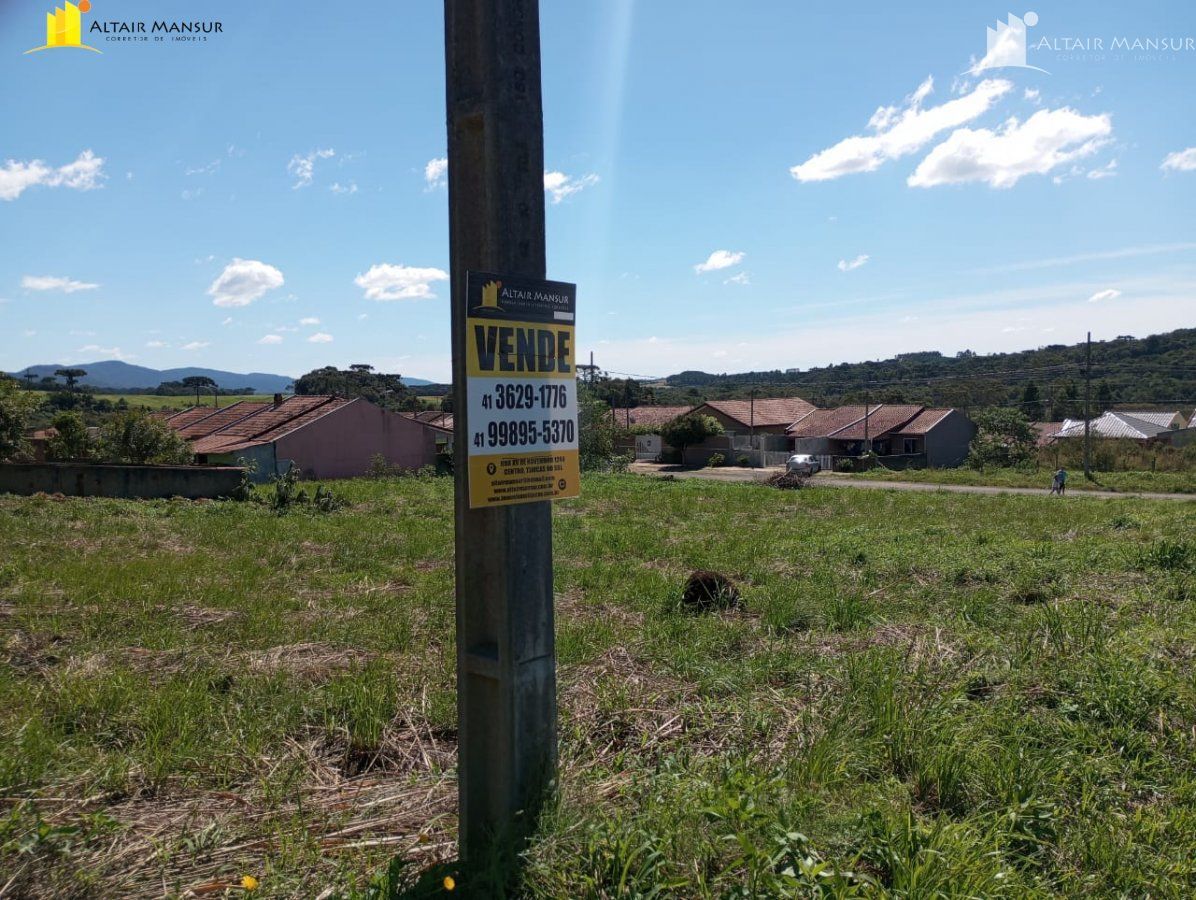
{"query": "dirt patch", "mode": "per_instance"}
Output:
(32, 653)
(203, 843)
(197, 616)
(307, 660)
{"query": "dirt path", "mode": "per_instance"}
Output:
(734, 473)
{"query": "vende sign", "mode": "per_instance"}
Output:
(521, 390)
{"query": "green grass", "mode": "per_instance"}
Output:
(154, 401)
(1151, 482)
(923, 695)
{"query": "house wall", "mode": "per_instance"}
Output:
(260, 462)
(817, 446)
(947, 442)
(341, 444)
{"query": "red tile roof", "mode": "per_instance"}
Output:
(433, 418)
(824, 422)
(215, 419)
(881, 420)
(267, 423)
(924, 421)
(648, 415)
(765, 412)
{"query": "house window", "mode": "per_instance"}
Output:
(909, 445)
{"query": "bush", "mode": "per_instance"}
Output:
(140, 439)
(16, 408)
(716, 460)
(71, 440)
(743, 461)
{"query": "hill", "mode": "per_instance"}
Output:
(116, 375)
(1158, 370)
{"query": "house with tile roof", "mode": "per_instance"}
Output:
(900, 434)
(763, 415)
(651, 416)
(321, 436)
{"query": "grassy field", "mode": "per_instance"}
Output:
(154, 401)
(1154, 482)
(921, 695)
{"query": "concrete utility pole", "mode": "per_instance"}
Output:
(506, 656)
(1088, 408)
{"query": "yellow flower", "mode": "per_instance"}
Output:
(249, 882)
(449, 883)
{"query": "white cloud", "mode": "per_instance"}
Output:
(720, 259)
(846, 265)
(398, 282)
(900, 131)
(84, 174)
(55, 283)
(1108, 294)
(1049, 138)
(1108, 170)
(156, 345)
(1179, 161)
(209, 169)
(228, 320)
(338, 188)
(309, 320)
(243, 281)
(739, 278)
(1032, 94)
(320, 338)
(107, 352)
(303, 166)
(559, 185)
(436, 173)
(197, 345)
(270, 339)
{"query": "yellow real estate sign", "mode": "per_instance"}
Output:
(521, 390)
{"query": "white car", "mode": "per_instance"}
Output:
(803, 464)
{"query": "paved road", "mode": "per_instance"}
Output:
(734, 473)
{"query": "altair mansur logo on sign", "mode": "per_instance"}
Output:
(64, 29)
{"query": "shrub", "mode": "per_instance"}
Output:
(710, 590)
(716, 460)
(743, 461)
(134, 437)
(16, 407)
(686, 431)
(71, 439)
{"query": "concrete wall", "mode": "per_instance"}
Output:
(341, 444)
(947, 442)
(121, 482)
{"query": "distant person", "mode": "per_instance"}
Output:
(1059, 482)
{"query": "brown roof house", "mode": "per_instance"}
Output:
(321, 436)
(772, 415)
(629, 417)
(910, 435)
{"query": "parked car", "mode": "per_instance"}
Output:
(803, 464)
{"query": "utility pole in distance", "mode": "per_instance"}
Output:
(506, 656)
(1088, 408)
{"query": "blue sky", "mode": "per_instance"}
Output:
(732, 186)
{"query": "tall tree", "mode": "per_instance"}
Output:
(1104, 396)
(685, 431)
(359, 380)
(29, 376)
(198, 383)
(1032, 407)
(71, 376)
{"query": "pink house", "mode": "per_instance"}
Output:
(321, 436)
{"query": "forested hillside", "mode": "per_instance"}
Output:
(1159, 370)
